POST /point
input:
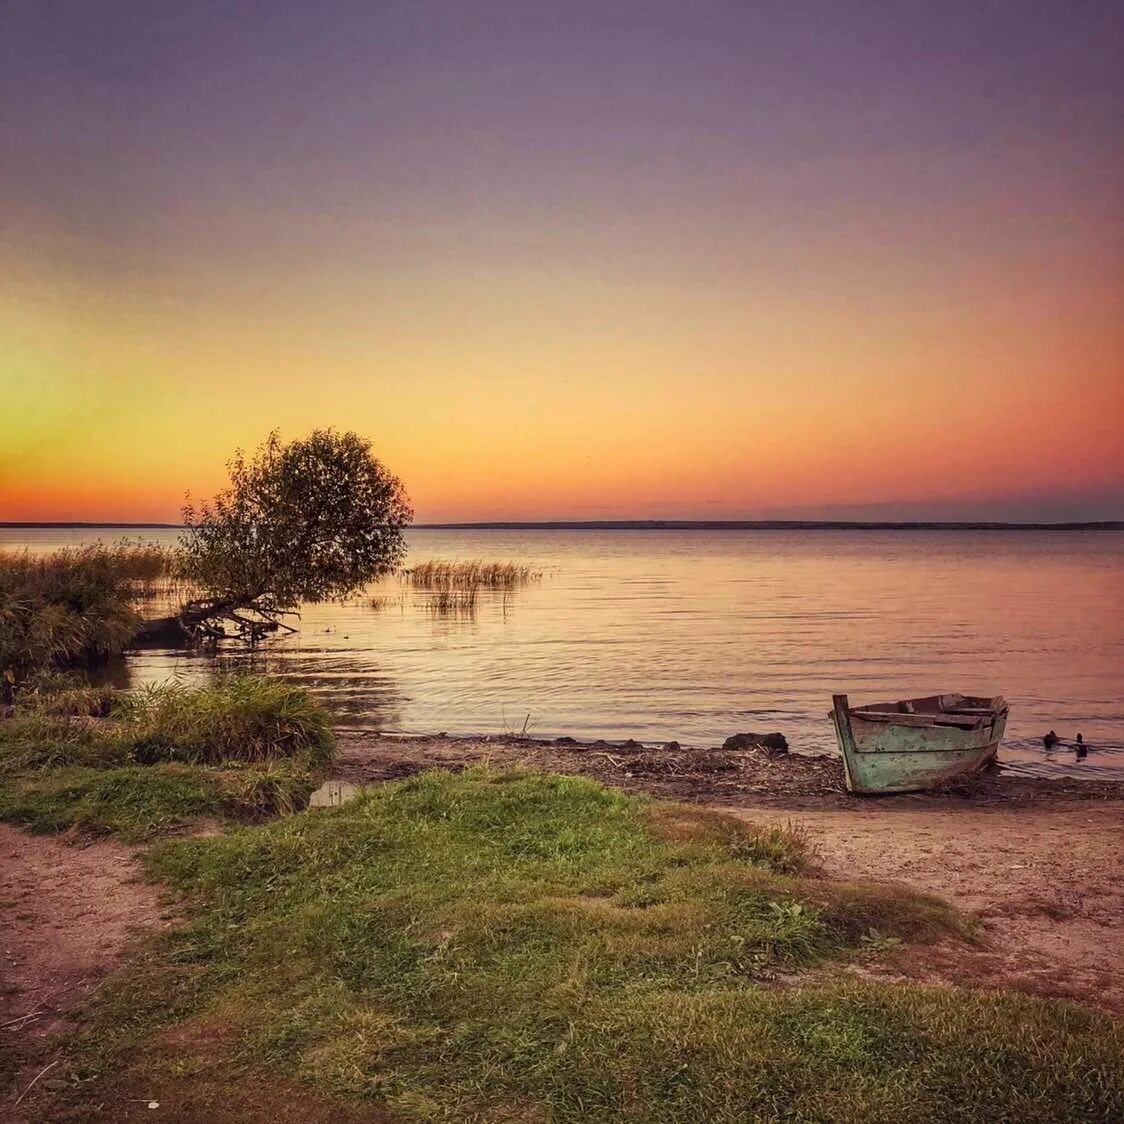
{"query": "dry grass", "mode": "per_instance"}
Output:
(470, 575)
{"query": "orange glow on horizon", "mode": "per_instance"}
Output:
(112, 414)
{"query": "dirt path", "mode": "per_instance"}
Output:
(66, 913)
(1047, 884)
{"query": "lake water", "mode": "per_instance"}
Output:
(695, 635)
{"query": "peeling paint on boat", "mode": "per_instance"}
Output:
(917, 743)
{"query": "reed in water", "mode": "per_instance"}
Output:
(438, 575)
(77, 605)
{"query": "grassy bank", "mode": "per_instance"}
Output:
(155, 761)
(520, 946)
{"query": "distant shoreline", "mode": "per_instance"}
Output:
(663, 525)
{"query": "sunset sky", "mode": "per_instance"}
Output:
(575, 260)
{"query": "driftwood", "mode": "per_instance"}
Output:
(207, 620)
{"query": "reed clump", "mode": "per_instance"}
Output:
(383, 601)
(453, 602)
(77, 605)
(474, 574)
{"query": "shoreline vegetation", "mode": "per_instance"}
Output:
(95, 761)
(511, 944)
(77, 606)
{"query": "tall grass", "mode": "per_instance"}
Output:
(241, 718)
(445, 575)
(75, 606)
(163, 757)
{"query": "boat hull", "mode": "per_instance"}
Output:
(910, 753)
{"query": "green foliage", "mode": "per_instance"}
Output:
(74, 606)
(138, 803)
(518, 946)
(240, 718)
(244, 748)
(311, 520)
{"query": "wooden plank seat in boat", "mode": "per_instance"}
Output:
(964, 721)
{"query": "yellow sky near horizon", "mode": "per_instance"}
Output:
(538, 401)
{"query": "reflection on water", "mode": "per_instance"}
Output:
(695, 635)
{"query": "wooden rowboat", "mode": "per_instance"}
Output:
(917, 743)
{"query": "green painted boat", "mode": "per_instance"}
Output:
(915, 744)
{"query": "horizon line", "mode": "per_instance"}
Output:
(663, 525)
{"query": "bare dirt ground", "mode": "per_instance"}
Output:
(66, 914)
(1046, 883)
(740, 778)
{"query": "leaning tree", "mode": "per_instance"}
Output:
(311, 520)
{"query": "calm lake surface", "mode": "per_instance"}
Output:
(695, 635)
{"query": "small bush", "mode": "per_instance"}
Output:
(241, 718)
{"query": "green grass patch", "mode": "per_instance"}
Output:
(525, 947)
(238, 719)
(162, 759)
(140, 802)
